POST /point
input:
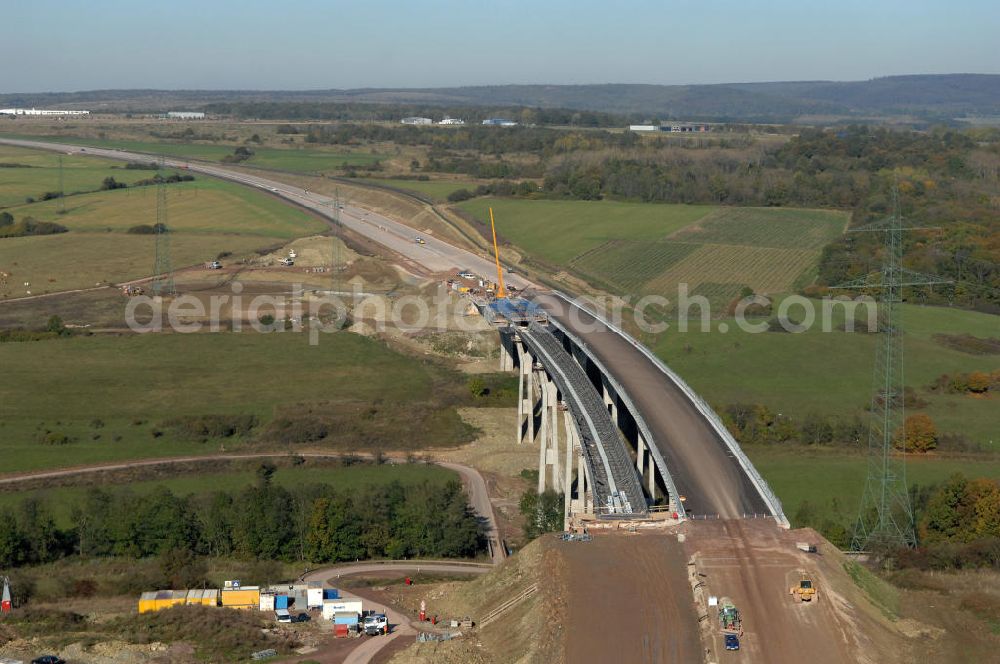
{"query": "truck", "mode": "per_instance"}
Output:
(287, 262)
(375, 624)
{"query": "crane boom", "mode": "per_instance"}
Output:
(501, 290)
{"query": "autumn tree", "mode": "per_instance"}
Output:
(918, 434)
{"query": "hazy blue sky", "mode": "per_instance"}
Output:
(301, 44)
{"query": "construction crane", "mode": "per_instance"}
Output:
(501, 289)
(505, 310)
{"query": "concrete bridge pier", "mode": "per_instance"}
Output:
(548, 449)
(525, 394)
(506, 352)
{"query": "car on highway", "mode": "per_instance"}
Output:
(48, 659)
(419, 240)
(732, 642)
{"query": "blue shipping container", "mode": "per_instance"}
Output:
(331, 593)
(345, 621)
(281, 601)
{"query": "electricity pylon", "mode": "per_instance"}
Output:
(885, 516)
(163, 270)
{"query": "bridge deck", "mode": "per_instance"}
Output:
(703, 468)
(604, 450)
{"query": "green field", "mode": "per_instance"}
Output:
(645, 249)
(69, 261)
(96, 389)
(829, 373)
(299, 160)
(61, 499)
(767, 227)
(437, 190)
(822, 476)
(80, 173)
(207, 216)
(559, 231)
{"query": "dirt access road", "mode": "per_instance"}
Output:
(627, 599)
(369, 648)
(755, 564)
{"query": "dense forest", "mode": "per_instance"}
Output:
(318, 523)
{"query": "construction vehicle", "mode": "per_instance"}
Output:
(804, 592)
(805, 547)
(729, 616)
(131, 290)
(287, 262)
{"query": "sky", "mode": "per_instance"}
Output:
(68, 45)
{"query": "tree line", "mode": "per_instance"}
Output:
(318, 523)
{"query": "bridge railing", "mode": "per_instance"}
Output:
(658, 460)
(703, 407)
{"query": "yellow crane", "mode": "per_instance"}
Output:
(501, 289)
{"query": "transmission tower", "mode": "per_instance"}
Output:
(885, 516)
(163, 270)
(62, 189)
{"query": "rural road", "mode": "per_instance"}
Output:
(402, 627)
(474, 483)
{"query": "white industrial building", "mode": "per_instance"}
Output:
(499, 122)
(417, 121)
(39, 111)
(185, 115)
(452, 121)
(643, 128)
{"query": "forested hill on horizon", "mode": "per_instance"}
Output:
(929, 98)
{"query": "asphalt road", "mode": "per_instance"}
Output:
(702, 467)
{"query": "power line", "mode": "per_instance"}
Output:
(163, 270)
(885, 517)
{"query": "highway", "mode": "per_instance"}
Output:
(703, 468)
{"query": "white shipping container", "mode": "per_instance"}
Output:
(314, 598)
(332, 606)
(266, 602)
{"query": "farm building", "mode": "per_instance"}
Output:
(185, 115)
(417, 121)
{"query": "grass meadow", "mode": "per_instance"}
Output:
(646, 249)
(299, 160)
(111, 395)
(207, 217)
(830, 373)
